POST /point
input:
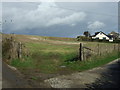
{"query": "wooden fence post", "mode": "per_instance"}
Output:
(19, 50)
(80, 52)
(98, 49)
(83, 53)
(114, 46)
(106, 49)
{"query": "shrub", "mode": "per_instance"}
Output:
(83, 38)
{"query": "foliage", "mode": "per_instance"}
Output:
(6, 46)
(83, 38)
(115, 35)
(87, 34)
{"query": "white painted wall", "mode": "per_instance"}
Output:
(111, 40)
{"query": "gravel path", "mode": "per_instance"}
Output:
(106, 76)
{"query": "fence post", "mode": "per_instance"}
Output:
(80, 53)
(83, 53)
(98, 49)
(106, 49)
(19, 50)
(114, 46)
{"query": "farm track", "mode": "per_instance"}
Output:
(12, 79)
(101, 77)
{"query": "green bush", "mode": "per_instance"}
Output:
(83, 38)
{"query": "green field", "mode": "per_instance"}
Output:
(54, 55)
(47, 55)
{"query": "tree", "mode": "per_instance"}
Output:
(87, 33)
(114, 34)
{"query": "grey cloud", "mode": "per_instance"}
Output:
(54, 19)
(44, 16)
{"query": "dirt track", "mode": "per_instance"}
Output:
(12, 79)
(101, 77)
(106, 76)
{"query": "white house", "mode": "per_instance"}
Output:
(102, 36)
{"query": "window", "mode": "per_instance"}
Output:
(104, 38)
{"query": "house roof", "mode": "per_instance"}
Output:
(97, 33)
(110, 36)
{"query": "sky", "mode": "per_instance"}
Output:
(59, 19)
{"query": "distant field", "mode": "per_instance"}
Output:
(49, 55)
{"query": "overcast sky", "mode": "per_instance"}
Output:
(60, 19)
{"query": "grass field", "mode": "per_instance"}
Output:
(50, 55)
(47, 56)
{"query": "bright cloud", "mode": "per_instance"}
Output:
(95, 25)
(70, 20)
(47, 14)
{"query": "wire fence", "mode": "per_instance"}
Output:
(100, 49)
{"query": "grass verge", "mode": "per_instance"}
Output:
(94, 62)
(52, 65)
